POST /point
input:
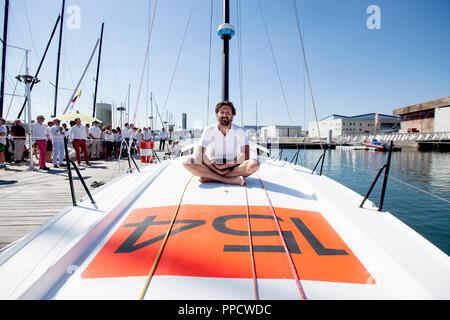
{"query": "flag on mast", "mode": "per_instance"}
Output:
(76, 97)
(74, 100)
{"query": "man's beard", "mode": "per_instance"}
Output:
(225, 122)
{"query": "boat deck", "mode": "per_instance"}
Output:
(332, 249)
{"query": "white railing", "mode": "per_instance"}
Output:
(396, 137)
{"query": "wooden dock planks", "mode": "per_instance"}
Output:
(30, 198)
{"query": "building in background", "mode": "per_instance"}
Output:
(183, 121)
(103, 112)
(430, 116)
(339, 125)
(279, 131)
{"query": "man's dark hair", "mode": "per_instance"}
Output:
(226, 103)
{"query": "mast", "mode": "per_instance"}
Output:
(59, 57)
(5, 36)
(98, 69)
(148, 62)
(256, 118)
(40, 65)
(226, 32)
(81, 79)
(129, 91)
(151, 109)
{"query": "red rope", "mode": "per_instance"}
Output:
(291, 262)
(255, 284)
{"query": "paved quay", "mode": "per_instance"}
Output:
(30, 198)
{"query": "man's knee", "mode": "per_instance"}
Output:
(190, 162)
(253, 164)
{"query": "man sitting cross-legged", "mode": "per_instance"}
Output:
(223, 154)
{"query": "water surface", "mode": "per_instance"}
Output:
(418, 189)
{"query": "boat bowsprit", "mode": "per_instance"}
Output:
(286, 234)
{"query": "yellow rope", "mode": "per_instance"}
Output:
(147, 283)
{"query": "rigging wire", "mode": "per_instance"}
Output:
(112, 67)
(306, 68)
(241, 85)
(402, 182)
(209, 62)
(148, 63)
(157, 112)
(304, 86)
(14, 91)
(179, 54)
(45, 85)
(275, 62)
(145, 62)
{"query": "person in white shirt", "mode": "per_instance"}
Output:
(50, 124)
(125, 132)
(19, 134)
(223, 153)
(39, 133)
(95, 133)
(132, 135)
(132, 132)
(108, 136)
(117, 140)
(57, 134)
(162, 139)
(3, 134)
(146, 135)
(77, 134)
(170, 136)
(139, 138)
(175, 149)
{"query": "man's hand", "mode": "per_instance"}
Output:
(223, 166)
(222, 171)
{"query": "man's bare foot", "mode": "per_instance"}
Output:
(204, 180)
(240, 181)
(233, 180)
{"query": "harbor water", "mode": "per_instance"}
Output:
(418, 189)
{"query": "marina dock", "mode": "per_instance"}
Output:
(30, 198)
(295, 145)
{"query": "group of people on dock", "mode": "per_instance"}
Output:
(222, 154)
(95, 142)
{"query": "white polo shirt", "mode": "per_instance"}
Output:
(56, 134)
(96, 132)
(108, 136)
(220, 146)
(39, 131)
(125, 133)
(132, 134)
(77, 133)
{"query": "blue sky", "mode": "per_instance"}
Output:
(353, 69)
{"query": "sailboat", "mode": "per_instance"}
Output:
(288, 233)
